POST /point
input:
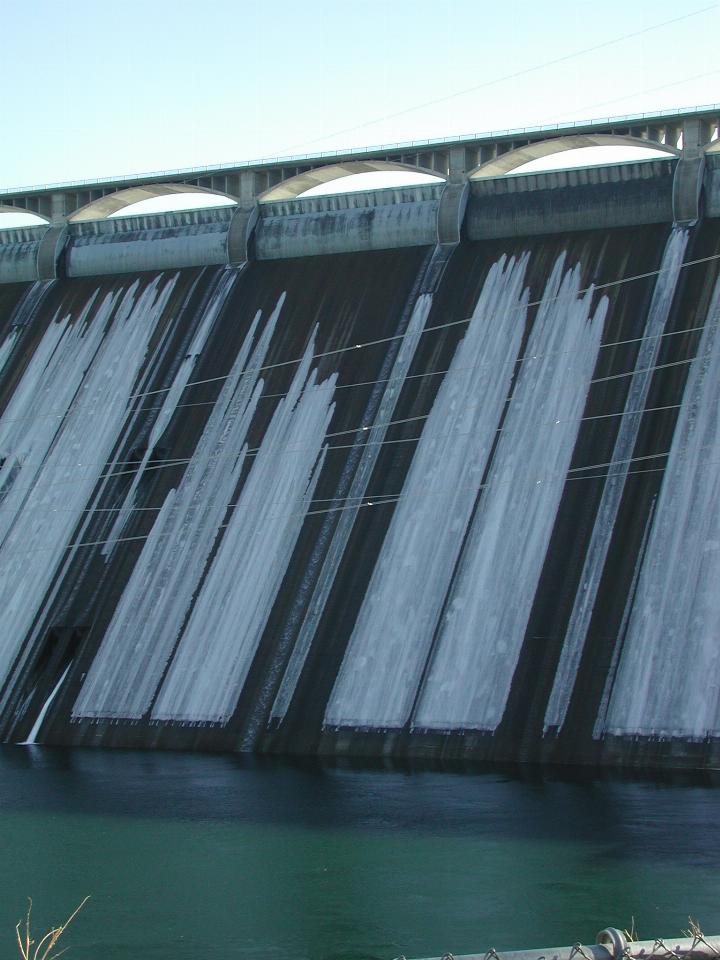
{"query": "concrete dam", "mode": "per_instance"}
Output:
(421, 472)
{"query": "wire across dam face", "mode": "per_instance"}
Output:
(399, 501)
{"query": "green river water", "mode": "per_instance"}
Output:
(210, 857)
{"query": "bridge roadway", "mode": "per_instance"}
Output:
(682, 185)
(689, 132)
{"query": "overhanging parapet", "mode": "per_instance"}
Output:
(348, 223)
(558, 201)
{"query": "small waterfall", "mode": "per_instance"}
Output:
(668, 678)
(348, 514)
(209, 668)
(134, 652)
(33, 735)
(489, 605)
(81, 372)
(378, 678)
(615, 484)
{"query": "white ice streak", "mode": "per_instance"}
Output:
(601, 715)
(358, 488)
(481, 636)
(604, 527)
(45, 482)
(170, 400)
(40, 401)
(6, 348)
(379, 676)
(134, 652)
(209, 668)
(668, 680)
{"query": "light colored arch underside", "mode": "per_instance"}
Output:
(114, 202)
(545, 148)
(6, 208)
(294, 186)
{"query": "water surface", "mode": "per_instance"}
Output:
(210, 857)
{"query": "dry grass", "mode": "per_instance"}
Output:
(694, 930)
(631, 935)
(47, 943)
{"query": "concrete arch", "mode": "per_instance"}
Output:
(6, 208)
(545, 148)
(294, 186)
(114, 202)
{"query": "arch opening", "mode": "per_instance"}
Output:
(375, 180)
(151, 198)
(331, 179)
(581, 150)
(12, 217)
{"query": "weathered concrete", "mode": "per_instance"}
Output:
(18, 261)
(50, 250)
(97, 250)
(687, 188)
(348, 223)
(711, 179)
(451, 213)
(18, 253)
(240, 232)
(618, 195)
(582, 199)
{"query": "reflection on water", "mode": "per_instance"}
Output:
(206, 857)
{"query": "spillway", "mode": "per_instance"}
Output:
(451, 498)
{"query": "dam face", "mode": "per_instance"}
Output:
(438, 501)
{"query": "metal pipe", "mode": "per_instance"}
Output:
(612, 944)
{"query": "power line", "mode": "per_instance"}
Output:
(370, 443)
(380, 500)
(169, 462)
(163, 464)
(439, 326)
(384, 340)
(508, 76)
(638, 93)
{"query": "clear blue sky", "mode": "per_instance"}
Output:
(94, 88)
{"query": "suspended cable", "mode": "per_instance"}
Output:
(368, 443)
(525, 71)
(365, 383)
(639, 93)
(167, 463)
(390, 499)
(440, 326)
